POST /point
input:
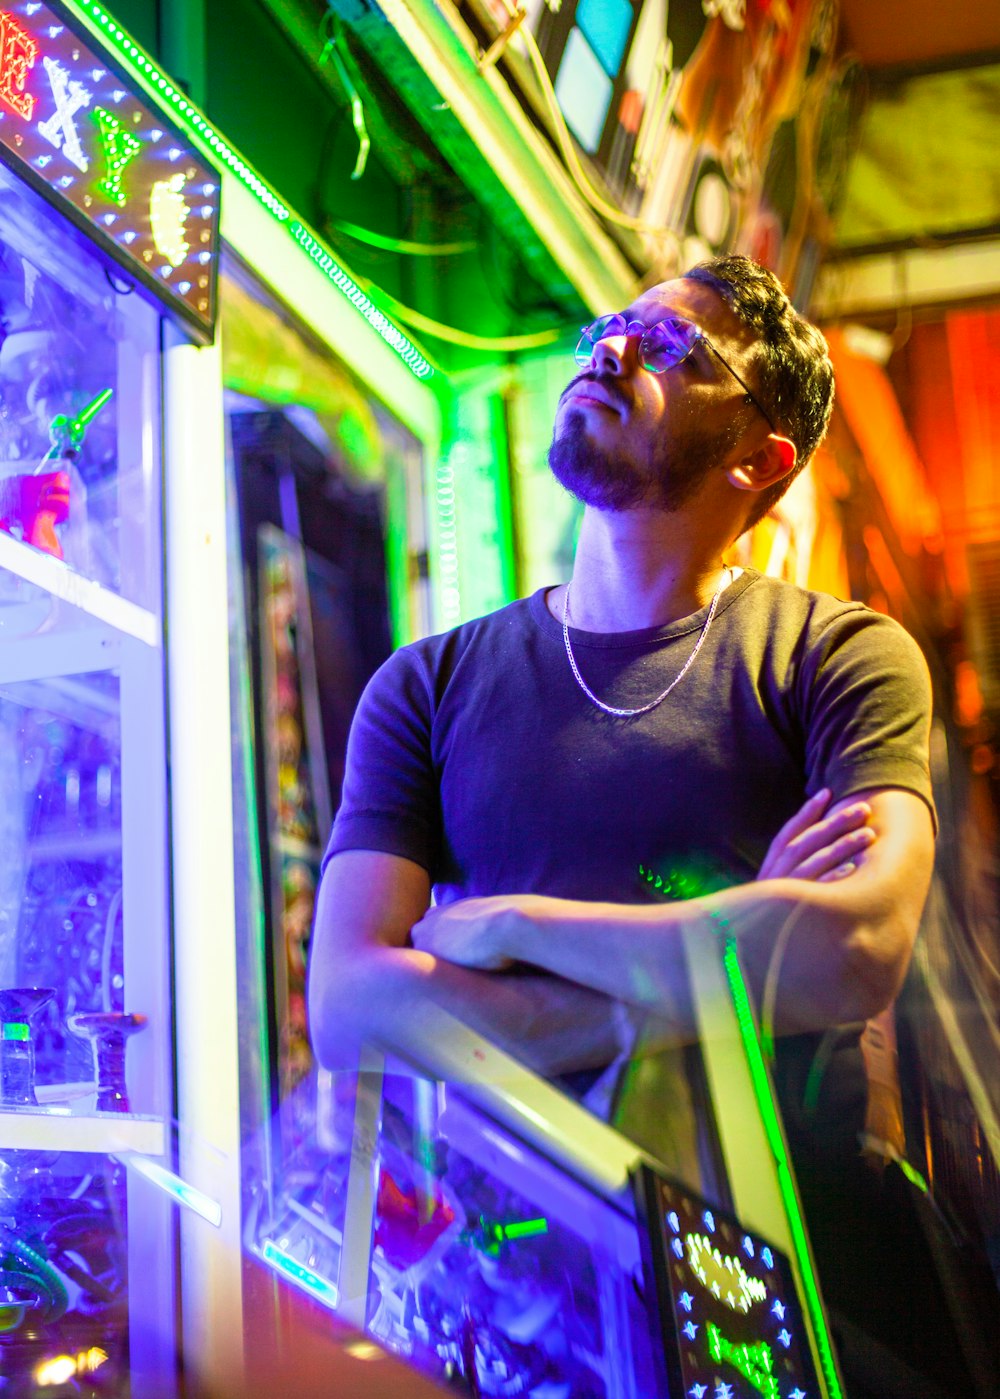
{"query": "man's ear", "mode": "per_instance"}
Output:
(769, 463)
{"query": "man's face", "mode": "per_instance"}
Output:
(626, 437)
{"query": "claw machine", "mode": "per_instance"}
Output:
(108, 237)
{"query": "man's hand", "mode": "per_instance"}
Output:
(814, 846)
(469, 932)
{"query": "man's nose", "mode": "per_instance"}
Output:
(611, 354)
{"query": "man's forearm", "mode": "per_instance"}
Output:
(385, 996)
(818, 950)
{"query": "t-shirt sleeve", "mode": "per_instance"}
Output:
(390, 799)
(867, 700)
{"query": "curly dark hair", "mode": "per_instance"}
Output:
(791, 364)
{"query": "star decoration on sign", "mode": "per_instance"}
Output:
(698, 1391)
(723, 1390)
(768, 1257)
(678, 1248)
(686, 1301)
(748, 1245)
(690, 1330)
(709, 1219)
(785, 1337)
(797, 1394)
(674, 1222)
(779, 1309)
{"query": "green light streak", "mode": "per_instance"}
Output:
(786, 1185)
(190, 117)
(526, 1229)
(912, 1175)
(14, 1031)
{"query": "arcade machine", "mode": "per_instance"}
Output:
(108, 231)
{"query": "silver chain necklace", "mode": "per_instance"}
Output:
(645, 708)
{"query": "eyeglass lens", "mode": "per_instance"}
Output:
(660, 346)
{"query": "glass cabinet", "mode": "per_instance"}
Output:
(85, 1042)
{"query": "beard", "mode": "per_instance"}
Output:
(612, 480)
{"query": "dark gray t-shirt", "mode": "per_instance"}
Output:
(477, 755)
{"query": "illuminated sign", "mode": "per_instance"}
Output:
(76, 128)
(727, 1307)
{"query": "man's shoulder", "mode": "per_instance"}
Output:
(483, 635)
(813, 629)
(810, 610)
(514, 616)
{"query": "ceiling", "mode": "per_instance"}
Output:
(886, 33)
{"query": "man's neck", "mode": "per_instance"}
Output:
(639, 568)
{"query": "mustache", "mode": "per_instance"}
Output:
(610, 386)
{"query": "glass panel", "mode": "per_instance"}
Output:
(78, 402)
(60, 921)
(492, 1268)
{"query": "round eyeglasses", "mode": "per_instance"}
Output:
(661, 347)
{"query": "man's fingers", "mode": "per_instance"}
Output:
(823, 834)
(845, 848)
(841, 872)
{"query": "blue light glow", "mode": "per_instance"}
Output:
(172, 1185)
(320, 1288)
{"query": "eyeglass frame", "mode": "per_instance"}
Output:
(630, 329)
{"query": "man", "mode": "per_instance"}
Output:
(656, 713)
(661, 724)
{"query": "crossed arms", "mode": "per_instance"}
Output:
(836, 943)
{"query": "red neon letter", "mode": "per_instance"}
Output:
(17, 57)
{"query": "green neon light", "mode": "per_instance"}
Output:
(120, 148)
(13, 1031)
(189, 116)
(377, 319)
(752, 1361)
(772, 1127)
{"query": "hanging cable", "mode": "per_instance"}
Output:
(465, 338)
(565, 143)
(331, 53)
(399, 245)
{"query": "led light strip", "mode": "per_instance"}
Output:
(772, 1126)
(192, 118)
(379, 321)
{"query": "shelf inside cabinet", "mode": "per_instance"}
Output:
(58, 580)
(102, 1133)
